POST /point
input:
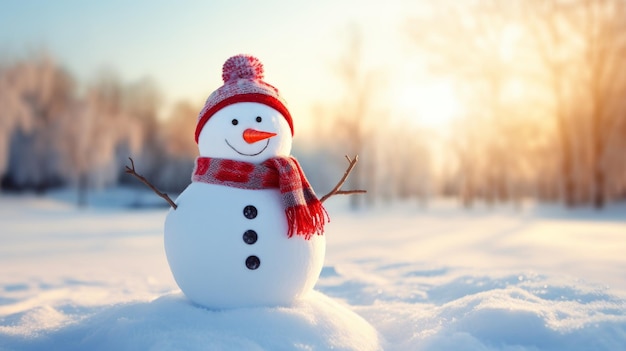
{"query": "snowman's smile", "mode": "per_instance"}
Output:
(267, 142)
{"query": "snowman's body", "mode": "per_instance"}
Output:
(228, 247)
(230, 260)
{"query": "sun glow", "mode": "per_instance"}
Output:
(431, 105)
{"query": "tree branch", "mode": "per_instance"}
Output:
(337, 189)
(131, 170)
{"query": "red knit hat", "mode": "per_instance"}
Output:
(242, 75)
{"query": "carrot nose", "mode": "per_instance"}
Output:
(252, 135)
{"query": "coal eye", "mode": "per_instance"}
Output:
(234, 122)
(259, 119)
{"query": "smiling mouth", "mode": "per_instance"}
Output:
(244, 154)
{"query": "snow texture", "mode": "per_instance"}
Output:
(397, 278)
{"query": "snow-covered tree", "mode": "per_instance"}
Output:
(180, 147)
(39, 94)
(14, 113)
(94, 131)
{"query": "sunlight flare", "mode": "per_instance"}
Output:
(432, 104)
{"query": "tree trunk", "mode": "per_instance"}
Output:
(598, 178)
(597, 143)
(568, 187)
(82, 190)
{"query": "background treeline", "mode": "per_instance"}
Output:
(542, 85)
(56, 134)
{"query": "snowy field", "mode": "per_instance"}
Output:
(396, 278)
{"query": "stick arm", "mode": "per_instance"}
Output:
(337, 189)
(131, 170)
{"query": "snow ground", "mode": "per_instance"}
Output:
(396, 278)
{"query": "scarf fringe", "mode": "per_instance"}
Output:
(306, 220)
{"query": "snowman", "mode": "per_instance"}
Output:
(248, 230)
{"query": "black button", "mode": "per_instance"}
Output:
(253, 262)
(250, 237)
(250, 212)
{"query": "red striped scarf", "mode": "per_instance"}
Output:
(305, 214)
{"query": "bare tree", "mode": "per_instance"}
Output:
(583, 43)
(51, 135)
(406, 169)
(471, 42)
(550, 32)
(39, 94)
(354, 113)
(14, 114)
(179, 129)
(93, 131)
(604, 34)
(179, 146)
(568, 59)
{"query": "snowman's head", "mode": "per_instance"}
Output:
(246, 118)
(245, 131)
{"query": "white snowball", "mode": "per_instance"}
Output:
(207, 254)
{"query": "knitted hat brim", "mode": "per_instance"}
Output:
(251, 97)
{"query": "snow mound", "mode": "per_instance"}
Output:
(503, 319)
(171, 322)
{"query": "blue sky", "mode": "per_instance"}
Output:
(183, 44)
(166, 39)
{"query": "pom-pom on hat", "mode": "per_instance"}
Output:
(243, 82)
